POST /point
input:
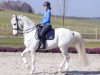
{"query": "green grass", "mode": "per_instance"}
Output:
(6, 27)
(92, 44)
(11, 42)
(18, 42)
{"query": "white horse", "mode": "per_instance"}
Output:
(63, 39)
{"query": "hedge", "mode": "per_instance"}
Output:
(55, 50)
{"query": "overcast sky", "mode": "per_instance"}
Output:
(79, 8)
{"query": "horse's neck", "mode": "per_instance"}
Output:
(28, 24)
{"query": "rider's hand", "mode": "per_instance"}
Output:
(42, 25)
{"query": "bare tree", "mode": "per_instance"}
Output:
(26, 8)
(0, 8)
(16, 5)
(63, 9)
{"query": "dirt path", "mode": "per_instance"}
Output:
(47, 64)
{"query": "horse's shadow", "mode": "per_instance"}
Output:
(72, 73)
(83, 73)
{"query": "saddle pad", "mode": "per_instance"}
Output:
(50, 35)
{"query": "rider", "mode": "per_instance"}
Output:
(45, 23)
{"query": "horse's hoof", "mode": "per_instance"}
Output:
(32, 70)
(28, 67)
(31, 73)
(59, 73)
(65, 72)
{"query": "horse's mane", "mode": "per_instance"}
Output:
(27, 19)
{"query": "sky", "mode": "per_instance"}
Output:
(78, 8)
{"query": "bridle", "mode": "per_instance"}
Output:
(17, 23)
(18, 28)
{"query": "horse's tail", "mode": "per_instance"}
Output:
(80, 48)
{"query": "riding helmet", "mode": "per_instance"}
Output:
(47, 4)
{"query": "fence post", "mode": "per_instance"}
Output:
(96, 33)
(77, 29)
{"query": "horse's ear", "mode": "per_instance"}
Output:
(14, 15)
(21, 15)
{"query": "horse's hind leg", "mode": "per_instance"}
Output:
(65, 63)
(23, 55)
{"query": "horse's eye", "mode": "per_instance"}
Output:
(14, 24)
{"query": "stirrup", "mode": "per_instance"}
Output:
(44, 47)
(39, 45)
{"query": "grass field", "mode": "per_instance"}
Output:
(18, 42)
(73, 24)
(11, 42)
(6, 28)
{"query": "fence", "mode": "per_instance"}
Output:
(87, 33)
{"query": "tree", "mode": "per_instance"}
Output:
(63, 9)
(26, 8)
(16, 5)
(0, 8)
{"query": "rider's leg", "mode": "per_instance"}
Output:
(43, 32)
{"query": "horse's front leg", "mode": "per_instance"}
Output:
(23, 55)
(33, 61)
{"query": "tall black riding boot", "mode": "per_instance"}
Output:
(44, 43)
(40, 43)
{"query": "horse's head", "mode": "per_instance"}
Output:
(17, 24)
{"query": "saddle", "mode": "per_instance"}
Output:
(49, 36)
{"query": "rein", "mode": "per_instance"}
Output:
(29, 30)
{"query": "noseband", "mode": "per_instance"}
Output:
(17, 22)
